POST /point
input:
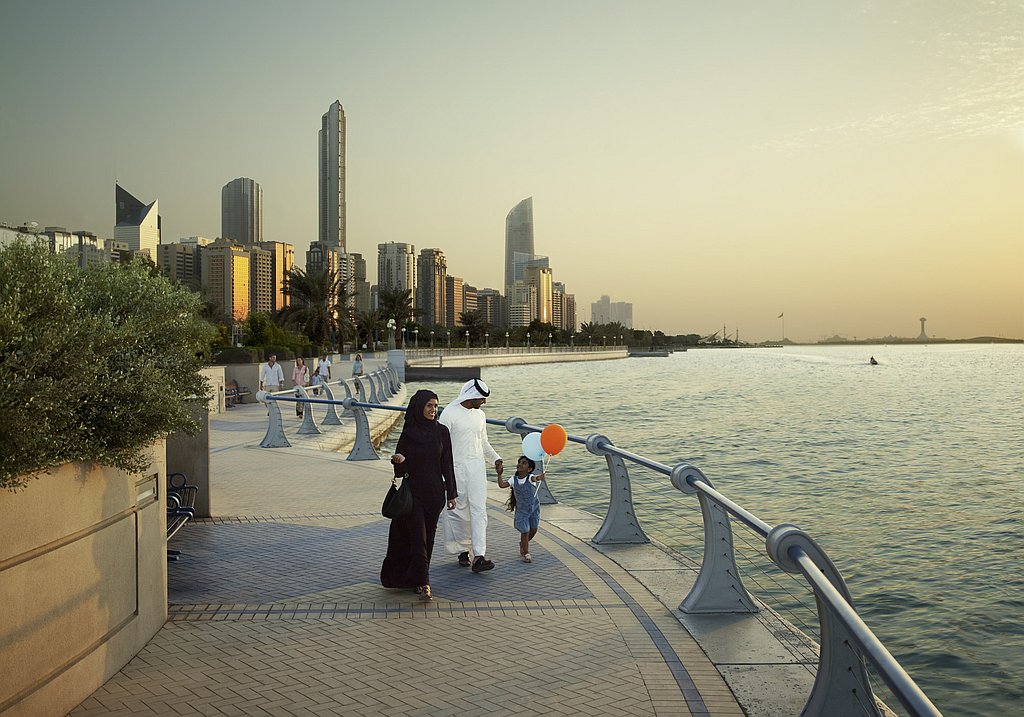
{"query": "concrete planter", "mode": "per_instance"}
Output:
(83, 581)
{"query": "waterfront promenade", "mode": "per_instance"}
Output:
(276, 609)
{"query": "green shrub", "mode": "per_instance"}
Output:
(283, 353)
(243, 354)
(95, 363)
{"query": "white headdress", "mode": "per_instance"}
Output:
(473, 389)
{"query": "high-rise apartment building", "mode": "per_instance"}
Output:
(469, 299)
(396, 268)
(606, 311)
(431, 272)
(179, 261)
(492, 307)
(241, 211)
(360, 285)
(282, 257)
(540, 277)
(261, 280)
(331, 177)
(563, 305)
(522, 303)
(225, 274)
(137, 225)
(453, 297)
(518, 240)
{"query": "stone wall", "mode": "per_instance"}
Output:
(83, 581)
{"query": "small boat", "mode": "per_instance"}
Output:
(873, 362)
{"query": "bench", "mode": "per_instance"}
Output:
(233, 392)
(181, 501)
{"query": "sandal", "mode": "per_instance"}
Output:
(527, 558)
(425, 594)
(464, 560)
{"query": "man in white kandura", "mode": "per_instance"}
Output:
(465, 528)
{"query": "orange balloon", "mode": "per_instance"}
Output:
(553, 439)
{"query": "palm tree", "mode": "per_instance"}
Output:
(369, 325)
(589, 330)
(319, 306)
(474, 323)
(396, 304)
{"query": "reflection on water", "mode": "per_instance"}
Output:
(910, 474)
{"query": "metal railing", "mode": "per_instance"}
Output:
(841, 686)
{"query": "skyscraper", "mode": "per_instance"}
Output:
(431, 272)
(453, 296)
(282, 260)
(396, 268)
(241, 211)
(331, 177)
(518, 240)
(137, 224)
(225, 274)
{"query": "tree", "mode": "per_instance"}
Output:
(369, 325)
(96, 362)
(473, 322)
(589, 330)
(397, 304)
(320, 305)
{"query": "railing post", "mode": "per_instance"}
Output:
(841, 687)
(385, 384)
(362, 448)
(308, 424)
(376, 388)
(515, 425)
(620, 525)
(332, 418)
(719, 588)
(348, 394)
(275, 437)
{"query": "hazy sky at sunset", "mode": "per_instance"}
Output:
(855, 165)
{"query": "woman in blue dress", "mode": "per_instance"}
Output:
(523, 500)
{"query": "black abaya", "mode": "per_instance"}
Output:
(427, 448)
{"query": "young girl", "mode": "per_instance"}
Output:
(299, 378)
(523, 500)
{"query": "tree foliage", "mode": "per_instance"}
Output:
(319, 307)
(95, 362)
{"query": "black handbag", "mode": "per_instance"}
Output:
(398, 501)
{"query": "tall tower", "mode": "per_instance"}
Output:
(923, 336)
(241, 211)
(431, 273)
(518, 240)
(331, 177)
(137, 224)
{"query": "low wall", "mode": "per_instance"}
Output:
(517, 357)
(83, 582)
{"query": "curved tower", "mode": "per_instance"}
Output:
(331, 177)
(518, 240)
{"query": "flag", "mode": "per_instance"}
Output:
(781, 315)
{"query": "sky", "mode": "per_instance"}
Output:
(851, 165)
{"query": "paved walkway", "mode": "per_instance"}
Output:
(276, 609)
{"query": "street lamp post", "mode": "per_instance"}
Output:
(487, 340)
(431, 339)
(506, 339)
(527, 340)
(549, 339)
(391, 334)
(449, 335)
(416, 337)
(467, 340)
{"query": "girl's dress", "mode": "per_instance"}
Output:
(428, 462)
(527, 515)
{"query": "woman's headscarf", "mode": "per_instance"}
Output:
(414, 417)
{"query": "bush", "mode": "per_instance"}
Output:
(96, 363)
(283, 353)
(245, 354)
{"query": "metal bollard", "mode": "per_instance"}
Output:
(362, 449)
(275, 437)
(620, 526)
(308, 426)
(332, 418)
(719, 588)
(841, 687)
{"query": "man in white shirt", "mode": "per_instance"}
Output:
(465, 528)
(271, 375)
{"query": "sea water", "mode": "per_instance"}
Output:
(910, 474)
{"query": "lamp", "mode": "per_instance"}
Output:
(431, 339)
(527, 339)
(416, 336)
(487, 340)
(506, 339)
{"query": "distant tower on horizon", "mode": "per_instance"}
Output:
(331, 177)
(923, 336)
(518, 240)
(241, 211)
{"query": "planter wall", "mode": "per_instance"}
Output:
(83, 581)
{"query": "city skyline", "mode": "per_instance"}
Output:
(853, 166)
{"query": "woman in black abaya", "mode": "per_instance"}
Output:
(424, 454)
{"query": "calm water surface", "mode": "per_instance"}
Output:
(910, 475)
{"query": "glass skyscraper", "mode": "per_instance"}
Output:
(331, 177)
